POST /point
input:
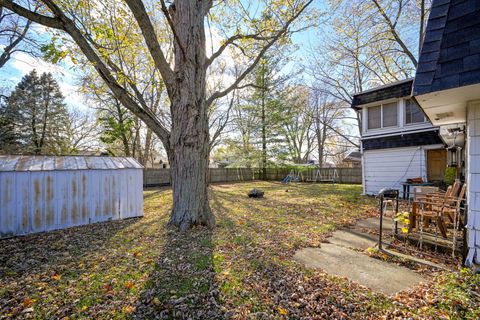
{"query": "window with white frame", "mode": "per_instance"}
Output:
(382, 116)
(413, 112)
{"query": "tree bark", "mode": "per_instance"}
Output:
(187, 143)
(264, 131)
(189, 139)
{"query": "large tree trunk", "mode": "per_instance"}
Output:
(264, 137)
(189, 140)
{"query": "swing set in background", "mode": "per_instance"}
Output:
(324, 175)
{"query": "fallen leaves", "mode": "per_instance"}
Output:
(282, 311)
(27, 302)
(56, 277)
(128, 309)
(242, 269)
(129, 284)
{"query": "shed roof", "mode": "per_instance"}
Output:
(397, 89)
(450, 55)
(354, 156)
(50, 163)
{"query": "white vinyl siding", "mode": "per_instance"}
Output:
(388, 168)
(473, 179)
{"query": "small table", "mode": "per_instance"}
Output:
(407, 185)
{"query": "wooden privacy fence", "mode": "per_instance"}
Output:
(161, 177)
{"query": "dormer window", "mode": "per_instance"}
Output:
(382, 116)
(413, 113)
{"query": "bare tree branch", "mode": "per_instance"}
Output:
(262, 52)
(151, 40)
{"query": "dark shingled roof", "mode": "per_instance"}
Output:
(397, 89)
(450, 56)
(402, 140)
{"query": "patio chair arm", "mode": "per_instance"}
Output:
(430, 203)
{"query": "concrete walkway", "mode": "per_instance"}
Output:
(341, 257)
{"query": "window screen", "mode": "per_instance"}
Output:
(390, 114)
(374, 117)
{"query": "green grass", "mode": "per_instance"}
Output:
(243, 268)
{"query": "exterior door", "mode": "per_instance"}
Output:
(436, 164)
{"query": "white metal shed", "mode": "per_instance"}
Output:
(42, 193)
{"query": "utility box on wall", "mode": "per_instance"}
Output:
(43, 193)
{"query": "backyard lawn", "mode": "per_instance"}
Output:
(242, 269)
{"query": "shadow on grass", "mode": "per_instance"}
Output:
(182, 284)
(47, 264)
(30, 254)
(151, 192)
(263, 280)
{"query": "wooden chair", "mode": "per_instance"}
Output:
(439, 208)
(452, 208)
(427, 195)
(428, 211)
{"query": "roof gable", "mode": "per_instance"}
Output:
(450, 56)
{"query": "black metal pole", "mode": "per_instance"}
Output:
(396, 212)
(381, 224)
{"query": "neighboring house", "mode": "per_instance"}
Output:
(447, 87)
(353, 160)
(397, 140)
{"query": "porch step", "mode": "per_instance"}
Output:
(380, 276)
(353, 239)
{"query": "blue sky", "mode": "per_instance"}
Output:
(65, 74)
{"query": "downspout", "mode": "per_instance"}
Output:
(362, 156)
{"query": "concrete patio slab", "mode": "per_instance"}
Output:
(353, 239)
(373, 223)
(380, 276)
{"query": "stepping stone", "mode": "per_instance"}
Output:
(380, 276)
(373, 223)
(353, 239)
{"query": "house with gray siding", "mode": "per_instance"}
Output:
(398, 141)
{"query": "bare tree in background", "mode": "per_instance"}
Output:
(81, 132)
(372, 44)
(16, 35)
(186, 141)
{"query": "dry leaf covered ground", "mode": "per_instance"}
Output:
(243, 269)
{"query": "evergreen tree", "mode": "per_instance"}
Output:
(40, 114)
(8, 139)
(266, 104)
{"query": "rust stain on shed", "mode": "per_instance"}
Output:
(74, 201)
(50, 214)
(37, 212)
(25, 216)
(106, 202)
(49, 200)
(6, 194)
(114, 196)
(22, 164)
(6, 199)
(84, 197)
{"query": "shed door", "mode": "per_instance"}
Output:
(436, 164)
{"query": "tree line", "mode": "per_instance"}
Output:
(201, 76)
